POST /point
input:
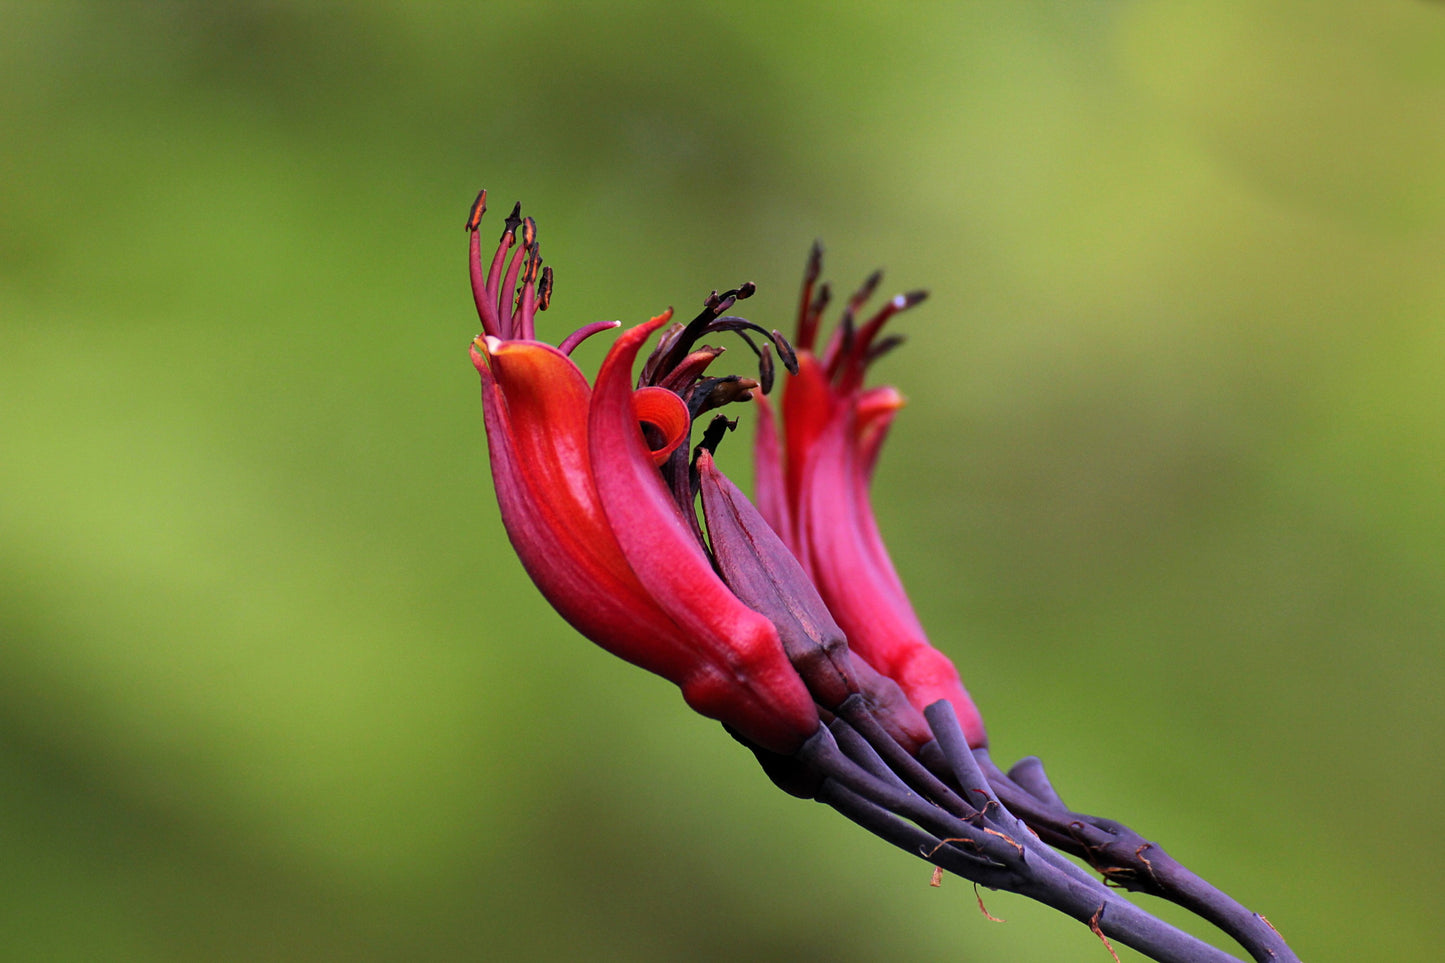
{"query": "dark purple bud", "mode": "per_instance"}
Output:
(760, 570)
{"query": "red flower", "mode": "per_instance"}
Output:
(789, 613)
(814, 491)
(590, 519)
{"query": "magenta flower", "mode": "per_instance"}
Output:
(554, 444)
(785, 621)
(814, 490)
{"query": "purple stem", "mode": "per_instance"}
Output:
(1056, 882)
(1127, 859)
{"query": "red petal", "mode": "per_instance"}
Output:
(741, 675)
(807, 405)
(768, 484)
(667, 413)
(856, 577)
(535, 403)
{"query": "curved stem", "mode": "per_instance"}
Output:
(1129, 860)
(1055, 881)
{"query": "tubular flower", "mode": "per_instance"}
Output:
(783, 620)
(814, 490)
(554, 445)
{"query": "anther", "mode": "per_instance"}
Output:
(479, 207)
(786, 355)
(534, 260)
(815, 264)
(870, 284)
(712, 436)
(514, 220)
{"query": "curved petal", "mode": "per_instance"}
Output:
(535, 401)
(855, 575)
(807, 406)
(667, 413)
(742, 676)
(768, 484)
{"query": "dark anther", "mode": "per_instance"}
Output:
(815, 265)
(514, 221)
(479, 207)
(785, 352)
(713, 393)
(734, 323)
(865, 291)
(675, 347)
(820, 302)
(544, 289)
(529, 231)
(884, 346)
(765, 365)
(534, 259)
(713, 435)
(716, 304)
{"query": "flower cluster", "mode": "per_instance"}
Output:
(785, 620)
(597, 489)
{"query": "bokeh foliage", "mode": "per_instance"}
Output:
(272, 685)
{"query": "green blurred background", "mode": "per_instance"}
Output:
(272, 685)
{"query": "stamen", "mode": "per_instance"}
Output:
(713, 393)
(712, 436)
(765, 364)
(840, 346)
(821, 300)
(479, 207)
(505, 293)
(508, 311)
(486, 309)
(807, 315)
(734, 323)
(856, 357)
(527, 296)
(883, 347)
(570, 343)
(900, 302)
(865, 291)
(675, 346)
(514, 220)
(504, 244)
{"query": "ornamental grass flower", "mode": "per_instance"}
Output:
(785, 620)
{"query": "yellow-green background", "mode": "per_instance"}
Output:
(1169, 488)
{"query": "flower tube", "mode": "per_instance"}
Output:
(814, 488)
(539, 411)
